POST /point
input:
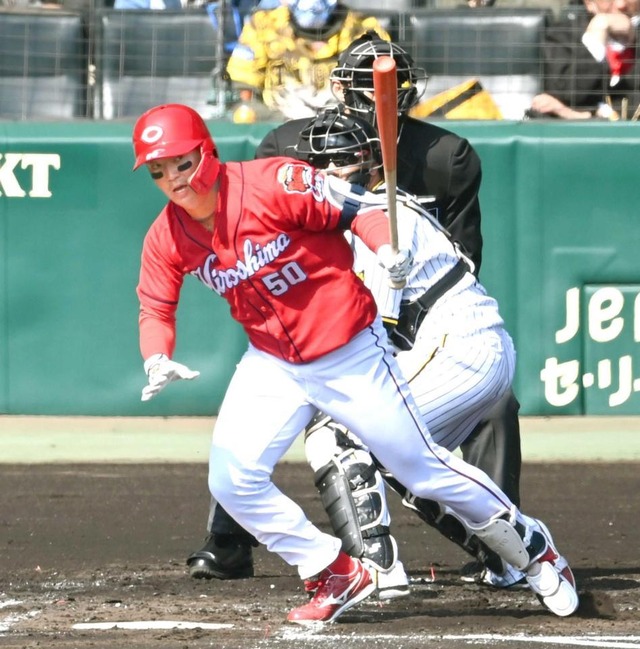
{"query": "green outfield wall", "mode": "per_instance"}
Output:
(562, 255)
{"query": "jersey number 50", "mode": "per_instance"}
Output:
(280, 281)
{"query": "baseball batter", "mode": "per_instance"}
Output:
(267, 235)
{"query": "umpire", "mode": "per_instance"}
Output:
(432, 162)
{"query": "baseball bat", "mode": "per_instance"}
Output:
(385, 93)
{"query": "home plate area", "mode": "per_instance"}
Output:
(94, 556)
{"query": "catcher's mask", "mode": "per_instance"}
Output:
(355, 73)
(173, 130)
(344, 140)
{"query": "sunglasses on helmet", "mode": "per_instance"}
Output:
(338, 158)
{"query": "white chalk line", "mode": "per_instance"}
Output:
(11, 619)
(145, 625)
(6, 603)
(595, 642)
(602, 642)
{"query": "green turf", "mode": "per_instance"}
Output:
(148, 439)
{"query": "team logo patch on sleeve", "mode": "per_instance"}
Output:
(300, 179)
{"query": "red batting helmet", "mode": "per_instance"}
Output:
(173, 130)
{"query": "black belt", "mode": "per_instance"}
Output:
(412, 313)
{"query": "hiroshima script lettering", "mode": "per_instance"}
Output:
(256, 256)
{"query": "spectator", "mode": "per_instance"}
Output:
(590, 63)
(285, 55)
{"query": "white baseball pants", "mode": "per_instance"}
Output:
(269, 402)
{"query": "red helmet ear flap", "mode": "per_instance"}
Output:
(206, 173)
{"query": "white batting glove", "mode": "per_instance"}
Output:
(398, 264)
(161, 371)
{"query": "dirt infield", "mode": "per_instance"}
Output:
(107, 543)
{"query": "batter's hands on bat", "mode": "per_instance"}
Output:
(398, 264)
(161, 371)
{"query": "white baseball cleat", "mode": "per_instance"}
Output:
(392, 584)
(550, 578)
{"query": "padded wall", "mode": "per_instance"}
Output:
(559, 218)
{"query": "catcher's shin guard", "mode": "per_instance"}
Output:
(352, 493)
(449, 525)
(518, 544)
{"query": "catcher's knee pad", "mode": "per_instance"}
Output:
(514, 542)
(320, 420)
(324, 439)
(455, 529)
(352, 493)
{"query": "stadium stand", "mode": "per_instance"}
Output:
(43, 65)
(391, 20)
(145, 58)
(373, 6)
(500, 47)
(110, 64)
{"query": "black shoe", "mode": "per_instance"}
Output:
(472, 572)
(477, 573)
(223, 556)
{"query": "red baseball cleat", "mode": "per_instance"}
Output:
(340, 586)
(311, 586)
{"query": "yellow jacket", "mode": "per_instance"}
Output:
(292, 72)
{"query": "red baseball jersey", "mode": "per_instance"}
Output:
(277, 254)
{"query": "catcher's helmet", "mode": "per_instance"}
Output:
(355, 72)
(173, 130)
(345, 140)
